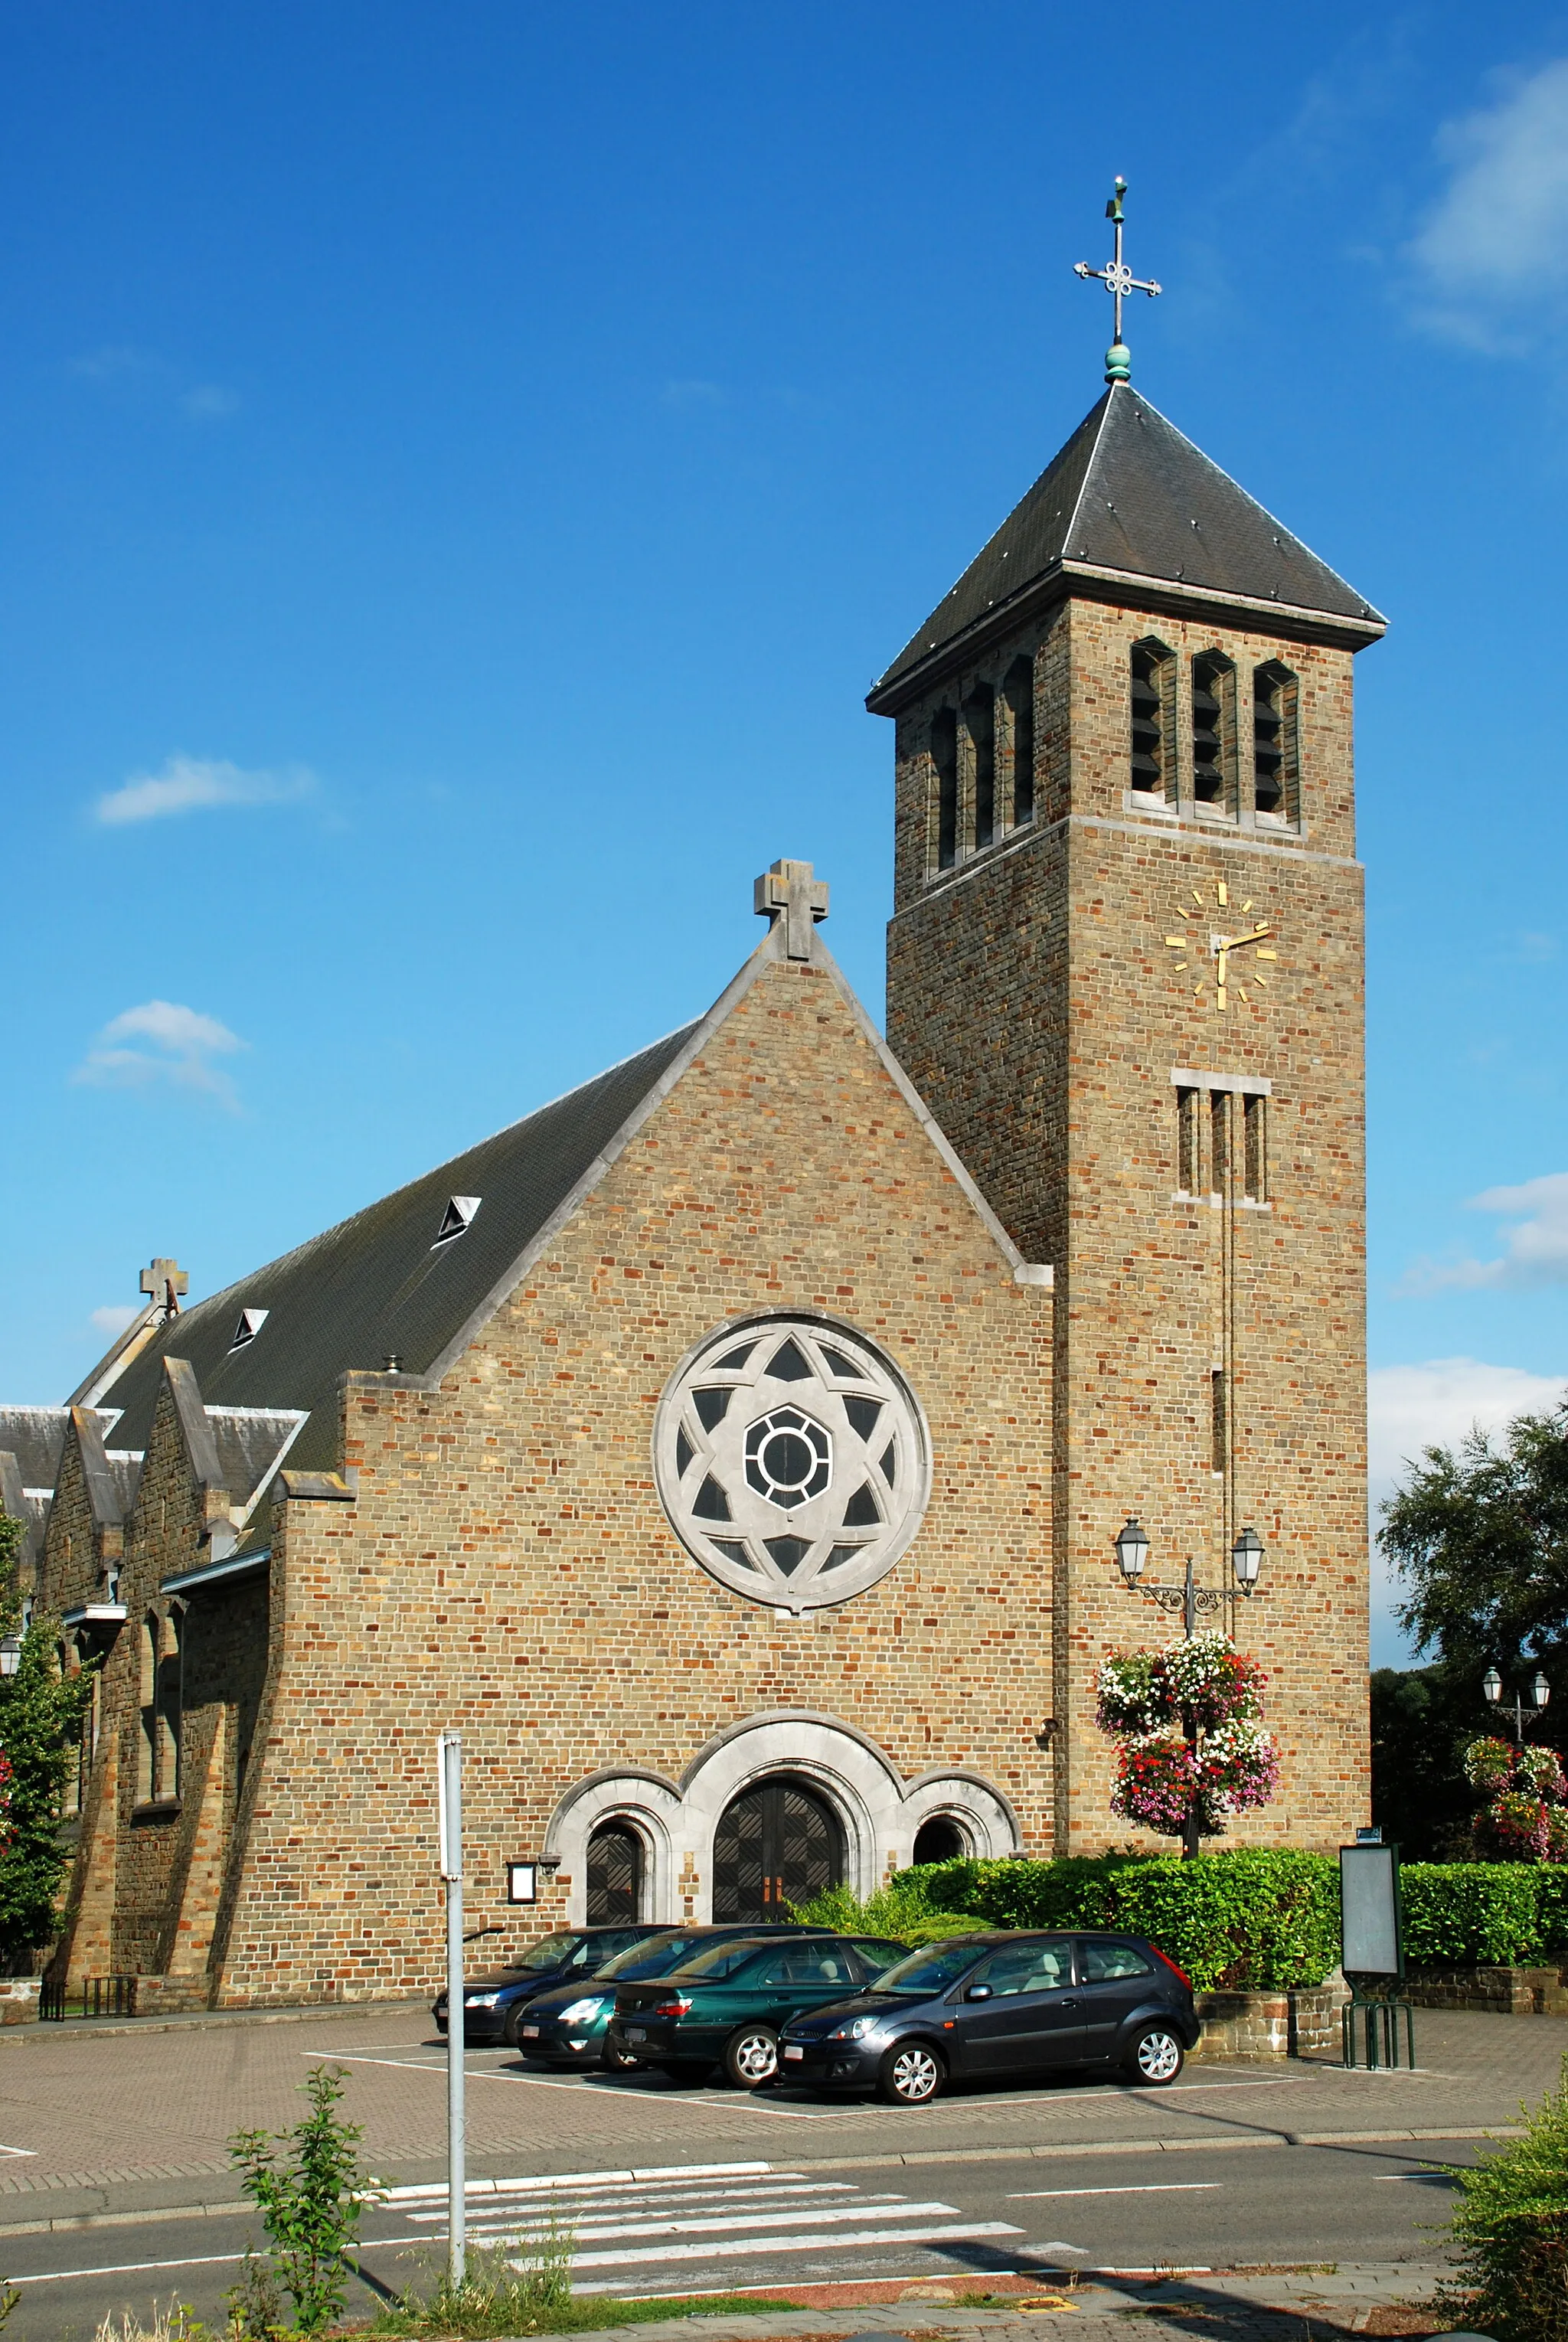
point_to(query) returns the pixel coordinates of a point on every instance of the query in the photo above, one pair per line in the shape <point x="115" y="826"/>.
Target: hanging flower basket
<point x="1526" y="1815"/>
<point x="1193" y="1749"/>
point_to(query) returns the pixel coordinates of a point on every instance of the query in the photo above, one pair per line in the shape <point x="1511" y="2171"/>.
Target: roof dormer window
<point x="251" y="1322"/>
<point x="456" y="1218"/>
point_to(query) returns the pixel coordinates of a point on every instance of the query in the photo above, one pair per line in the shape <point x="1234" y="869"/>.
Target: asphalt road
<point x="753" y="2225"/>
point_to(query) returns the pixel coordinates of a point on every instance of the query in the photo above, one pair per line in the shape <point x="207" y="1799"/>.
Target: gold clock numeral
<point x="1219" y="894"/>
<point x="1177" y="943"/>
<point x="1266" y="955"/>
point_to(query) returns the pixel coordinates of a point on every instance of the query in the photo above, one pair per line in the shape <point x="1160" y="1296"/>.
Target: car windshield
<point x="722" y="1961"/>
<point x="932" y="1969"/>
<point x="553" y="1953"/>
<point x="653" y="1958"/>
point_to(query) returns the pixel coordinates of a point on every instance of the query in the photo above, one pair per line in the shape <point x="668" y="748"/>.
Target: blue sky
<point x="462" y="468"/>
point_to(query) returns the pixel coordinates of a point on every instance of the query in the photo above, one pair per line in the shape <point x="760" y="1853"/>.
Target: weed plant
<point x="1511" y="2232"/>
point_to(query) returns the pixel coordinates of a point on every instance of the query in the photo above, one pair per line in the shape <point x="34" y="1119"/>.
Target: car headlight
<point x="480" y="1999"/>
<point x="581" y="2010"/>
<point x="855" y="2032"/>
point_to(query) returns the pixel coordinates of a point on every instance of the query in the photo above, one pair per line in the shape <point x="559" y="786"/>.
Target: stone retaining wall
<point x="1299" y="2024"/>
<point x="1503" y="1992"/>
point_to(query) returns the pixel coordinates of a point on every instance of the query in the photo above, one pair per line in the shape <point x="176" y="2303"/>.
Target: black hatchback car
<point x="493" y="2004"/>
<point x="1001" y="2004"/>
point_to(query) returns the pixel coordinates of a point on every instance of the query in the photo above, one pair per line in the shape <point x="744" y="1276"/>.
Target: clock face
<point x="1226" y="950"/>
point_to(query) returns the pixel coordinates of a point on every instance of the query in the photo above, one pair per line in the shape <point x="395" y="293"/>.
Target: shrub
<point x="1465" y="1913"/>
<point x="1511" y="2232"/>
<point x="1255" y="1919"/>
<point x="310" y="2204"/>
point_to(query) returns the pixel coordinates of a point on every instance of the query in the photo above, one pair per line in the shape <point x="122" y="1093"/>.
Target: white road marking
<point x="753" y="2222"/>
<point x="482" y="2216"/>
<point x="1158" y="2187"/>
<point x="734" y="2248"/>
<point x="18" y="2150"/>
<point x="124" y="2268"/>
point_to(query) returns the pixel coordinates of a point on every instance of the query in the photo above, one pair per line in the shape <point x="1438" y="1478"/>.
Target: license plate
<point x="791" y="2050"/>
<point x="530" y="2033"/>
<point x="635" y="2033"/>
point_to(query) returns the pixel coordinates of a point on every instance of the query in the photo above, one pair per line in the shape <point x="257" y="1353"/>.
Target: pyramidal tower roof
<point x="1130" y="504"/>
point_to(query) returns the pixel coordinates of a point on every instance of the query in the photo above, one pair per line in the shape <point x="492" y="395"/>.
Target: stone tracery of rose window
<point x="792" y="1461"/>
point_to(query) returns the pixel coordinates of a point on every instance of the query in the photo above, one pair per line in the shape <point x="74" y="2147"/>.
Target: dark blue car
<point x="1001" y="2003"/>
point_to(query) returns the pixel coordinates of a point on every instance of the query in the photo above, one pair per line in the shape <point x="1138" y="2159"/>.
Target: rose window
<point x="791" y="1459"/>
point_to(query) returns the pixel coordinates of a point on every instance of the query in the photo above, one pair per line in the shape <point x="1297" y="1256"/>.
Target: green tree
<point x="309" y="2204"/>
<point x="40" y="1719"/>
<point x="1479" y="1535"/>
<point x="1422" y="1719"/>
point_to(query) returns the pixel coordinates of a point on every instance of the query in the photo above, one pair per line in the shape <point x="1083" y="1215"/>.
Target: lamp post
<point x="1540" y="1692"/>
<point x="1190" y="1598"/>
<point x="10" y="1655"/>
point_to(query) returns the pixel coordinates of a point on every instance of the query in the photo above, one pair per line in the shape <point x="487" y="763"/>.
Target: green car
<point x="728" y="2005"/>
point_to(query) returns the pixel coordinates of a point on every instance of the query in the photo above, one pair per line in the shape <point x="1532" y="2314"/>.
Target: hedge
<point x="1259" y="1918"/>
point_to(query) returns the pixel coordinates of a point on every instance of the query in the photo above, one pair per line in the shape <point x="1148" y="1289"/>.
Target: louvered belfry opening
<point x="980" y="735"/>
<point x="944" y="767"/>
<point x="1274" y="742"/>
<point x="614" y="1875"/>
<point x="1152" y="666"/>
<point x="1018" y="693"/>
<point x="778" y="1844"/>
<point x="1213" y="731"/>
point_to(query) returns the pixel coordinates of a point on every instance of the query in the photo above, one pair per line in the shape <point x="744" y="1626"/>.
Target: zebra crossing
<point x="707" y="2228"/>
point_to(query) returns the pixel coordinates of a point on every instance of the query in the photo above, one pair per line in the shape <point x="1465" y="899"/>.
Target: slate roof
<point x="36" y="1435"/>
<point x="1128" y="492"/>
<point x="379" y="1283"/>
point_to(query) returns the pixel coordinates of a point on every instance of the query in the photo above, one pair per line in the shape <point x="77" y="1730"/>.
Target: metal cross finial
<point x="1117" y="279"/>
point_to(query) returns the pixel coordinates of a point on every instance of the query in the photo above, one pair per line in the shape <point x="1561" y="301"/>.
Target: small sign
<point x="1370" y="1943"/>
<point x="522" y="1882"/>
<point x="1373" y="1837"/>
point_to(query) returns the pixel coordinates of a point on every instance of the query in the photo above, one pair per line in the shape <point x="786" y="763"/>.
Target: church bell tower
<point x="1125" y="972"/>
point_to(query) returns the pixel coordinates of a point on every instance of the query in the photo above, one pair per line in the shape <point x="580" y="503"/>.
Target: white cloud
<point x="114" y="1318"/>
<point x="210" y="400"/>
<point x="195" y="783"/>
<point x="1536" y="1246"/>
<point x="1496" y="241"/>
<point x="1432" y="1405"/>
<point x="183" y="1045"/>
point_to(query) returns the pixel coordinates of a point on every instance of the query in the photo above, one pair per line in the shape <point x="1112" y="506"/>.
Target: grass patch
<point x="499" y="2297"/>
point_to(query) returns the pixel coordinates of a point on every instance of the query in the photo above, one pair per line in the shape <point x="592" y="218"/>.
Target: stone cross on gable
<point x="164" y="1281"/>
<point x="790" y="890"/>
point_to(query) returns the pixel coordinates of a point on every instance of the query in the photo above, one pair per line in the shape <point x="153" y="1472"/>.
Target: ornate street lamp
<point x="1190" y="1598"/>
<point x="10" y="1655"/>
<point x="1540" y="1693"/>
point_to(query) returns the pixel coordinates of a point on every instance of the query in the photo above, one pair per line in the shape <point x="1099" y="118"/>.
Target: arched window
<point x="614" y="1875"/>
<point x="945" y="768"/>
<point x="980" y="737"/>
<point x="1153" y="683"/>
<point x="940" y="1840"/>
<point x="1276" y="794"/>
<point x="1213" y="733"/>
<point x="1018" y="697"/>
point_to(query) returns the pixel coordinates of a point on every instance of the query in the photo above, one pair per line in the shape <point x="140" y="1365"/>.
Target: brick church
<point x="734" y="1450"/>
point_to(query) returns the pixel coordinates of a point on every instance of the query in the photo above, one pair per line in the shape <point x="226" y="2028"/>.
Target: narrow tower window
<point x="1151" y="670"/>
<point x="1018" y="691"/>
<point x="1187" y="1141"/>
<point x="1218" y="1142"/>
<point x="980" y="728"/>
<point x="945" y="765"/>
<point x="148" y="1687"/>
<point x="1214" y="732"/>
<point x="171" y="1703"/>
<point x="1254" y="1149"/>
<point x="1275" y="792"/>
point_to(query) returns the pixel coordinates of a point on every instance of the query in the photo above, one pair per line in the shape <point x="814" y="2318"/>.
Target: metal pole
<point x="451" y="1782"/>
<point x="1190" y="1603"/>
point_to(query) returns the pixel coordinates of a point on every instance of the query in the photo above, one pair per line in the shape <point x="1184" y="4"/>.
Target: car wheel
<point x="616" y="2059"/>
<point x="911" y="2074"/>
<point x="752" y="2055"/>
<point x="1154" y="2058"/>
<point x="512" y="2028"/>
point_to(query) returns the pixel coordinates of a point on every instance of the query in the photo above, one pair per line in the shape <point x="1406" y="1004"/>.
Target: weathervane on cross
<point x="1117" y="279"/>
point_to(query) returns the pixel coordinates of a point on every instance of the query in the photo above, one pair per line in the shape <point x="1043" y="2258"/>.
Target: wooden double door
<point x="778" y="1844"/>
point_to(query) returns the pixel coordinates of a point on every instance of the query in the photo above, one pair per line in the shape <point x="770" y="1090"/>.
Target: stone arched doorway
<point x="614" y="1875"/>
<point x="776" y="1844"/>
